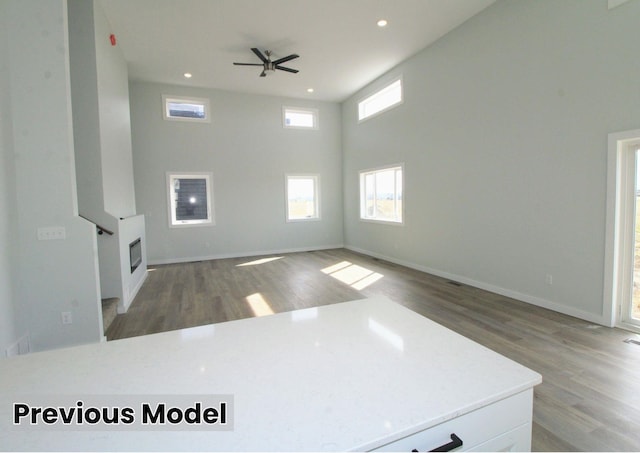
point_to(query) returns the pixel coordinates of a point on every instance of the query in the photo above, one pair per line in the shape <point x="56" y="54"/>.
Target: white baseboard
<point x="123" y="307"/>
<point x="190" y="259"/>
<point x="615" y="3"/>
<point x="533" y="300"/>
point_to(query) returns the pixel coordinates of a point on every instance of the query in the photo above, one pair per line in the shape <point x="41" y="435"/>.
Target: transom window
<point x="190" y="200"/>
<point x="380" y="101"/>
<point x="299" y="118"/>
<point x="381" y="194"/>
<point x="302" y="197"/>
<point x="185" y="109"/>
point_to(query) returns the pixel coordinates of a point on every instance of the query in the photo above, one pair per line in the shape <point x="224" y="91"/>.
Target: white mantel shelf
<point x="349" y="376"/>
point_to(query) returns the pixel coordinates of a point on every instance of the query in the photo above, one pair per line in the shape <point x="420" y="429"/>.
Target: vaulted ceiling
<point x="341" y="47"/>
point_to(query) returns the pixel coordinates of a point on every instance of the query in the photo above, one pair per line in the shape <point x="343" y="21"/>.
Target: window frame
<point x="378" y="93"/>
<point x="362" y="195"/>
<point x="314" y="113"/>
<point x="173" y="222"/>
<point x="316" y="185"/>
<point x="167" y="98"/>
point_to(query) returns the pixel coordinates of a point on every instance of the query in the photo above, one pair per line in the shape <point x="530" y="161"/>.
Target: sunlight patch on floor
<point x="368" y="280"/>
<point x="357" y="277"/>
<point x="260" y="261"/>
<point x="259" y="305"/>
<point x="336" y="267"/>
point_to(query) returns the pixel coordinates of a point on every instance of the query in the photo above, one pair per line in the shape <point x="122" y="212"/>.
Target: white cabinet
<point x="502" y="426"/>
<point x="518" y="439"/>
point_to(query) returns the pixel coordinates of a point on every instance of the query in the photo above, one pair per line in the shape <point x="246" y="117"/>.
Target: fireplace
<point x="135" y="254"/>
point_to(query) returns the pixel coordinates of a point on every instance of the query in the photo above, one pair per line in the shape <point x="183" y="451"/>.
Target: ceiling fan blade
<point x="259" y="54"/>
<point x="282" y="68"/>
<point x="248" y="64"/>
<point x="285" y="59"/>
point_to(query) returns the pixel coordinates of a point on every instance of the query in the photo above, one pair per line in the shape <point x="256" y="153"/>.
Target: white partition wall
<point x="56" y="269"/>
<point x="102" y="132"/>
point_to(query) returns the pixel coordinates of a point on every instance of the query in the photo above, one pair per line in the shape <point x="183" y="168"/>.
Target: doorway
<point x="622" y="279"/>
<point x="630" y="307"/>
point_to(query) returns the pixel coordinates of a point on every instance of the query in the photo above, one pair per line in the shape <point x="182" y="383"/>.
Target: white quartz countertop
<point x="348" y="376"/>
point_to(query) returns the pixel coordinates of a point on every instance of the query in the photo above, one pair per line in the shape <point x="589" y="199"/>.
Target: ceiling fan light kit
<point x="268" y="66"/>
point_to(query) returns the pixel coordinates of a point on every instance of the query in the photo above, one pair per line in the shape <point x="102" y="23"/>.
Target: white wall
<point x="9" y="329"/>
<point x="115" y="122"/>
<point x="249" y="152"/>
<point x="53" y="276"/>
<point x="102" y="132"/>
<point x="99" y="81"/>
<point x="117" y="163"/>
<point x="503" y="133"/>
<point x="86" y="112"/>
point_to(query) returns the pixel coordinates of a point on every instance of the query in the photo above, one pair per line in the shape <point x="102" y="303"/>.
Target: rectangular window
<point x="302" y="197"/>
<point x="299" y="118"/>
<point x="381" y="100"/>
<point x="185" y="109"/>
<point x="381" y="194"/>
<point x="190" y="199"/>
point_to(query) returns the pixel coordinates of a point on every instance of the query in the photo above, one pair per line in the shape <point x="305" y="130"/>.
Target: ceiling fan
<point x="268" y="66"/>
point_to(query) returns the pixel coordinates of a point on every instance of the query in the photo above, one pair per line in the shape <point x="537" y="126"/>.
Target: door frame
<point x="619" y="230"/>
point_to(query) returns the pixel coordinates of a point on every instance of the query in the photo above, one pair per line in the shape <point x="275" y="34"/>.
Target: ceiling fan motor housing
<point x="269" y="66"/>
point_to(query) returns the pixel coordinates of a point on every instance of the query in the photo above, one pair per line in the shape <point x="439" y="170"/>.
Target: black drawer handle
<point x="455" y="443"/>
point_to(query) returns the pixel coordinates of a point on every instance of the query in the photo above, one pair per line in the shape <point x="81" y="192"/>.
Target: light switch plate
<point x="52" y="233"/>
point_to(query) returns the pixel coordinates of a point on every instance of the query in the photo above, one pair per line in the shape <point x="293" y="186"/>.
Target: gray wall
<point x="249" y="152"/>
<point x="55" y="275"/>
<point x="9" y="329"/>
<point x="503" y="133"/>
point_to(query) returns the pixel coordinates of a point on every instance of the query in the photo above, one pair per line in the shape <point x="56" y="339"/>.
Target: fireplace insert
<point x="135" y="254"/>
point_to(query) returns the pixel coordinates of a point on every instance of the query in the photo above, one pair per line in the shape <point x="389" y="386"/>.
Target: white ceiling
<point x="341" y="49"/>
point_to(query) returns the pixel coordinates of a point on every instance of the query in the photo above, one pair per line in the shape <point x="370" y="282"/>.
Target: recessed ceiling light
<point x="187" y="75"/>
<point x="309" y="90"/>
<point x="382" y="23"/>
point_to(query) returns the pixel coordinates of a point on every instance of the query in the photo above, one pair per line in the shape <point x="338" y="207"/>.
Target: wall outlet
<point x="13" y="350"/>
<point x="548" y="279"/>
<point x="52" y="233"/>
<point x="22" y="346"/>
<point x="66" y="317"/>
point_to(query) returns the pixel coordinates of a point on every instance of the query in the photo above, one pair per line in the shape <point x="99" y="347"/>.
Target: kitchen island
<point x="361" y="375"/>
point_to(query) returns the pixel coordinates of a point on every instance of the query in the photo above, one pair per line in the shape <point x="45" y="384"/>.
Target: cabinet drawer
<point x="476" y="428"/>
<point x="518" y="439"/>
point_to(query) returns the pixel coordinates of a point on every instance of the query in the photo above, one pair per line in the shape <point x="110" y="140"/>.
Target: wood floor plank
<point x="547" y="441"/>
<point x="590" y="396"/>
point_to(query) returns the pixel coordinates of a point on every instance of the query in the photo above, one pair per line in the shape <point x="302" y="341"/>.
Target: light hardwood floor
<point x="590" y="396"/>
